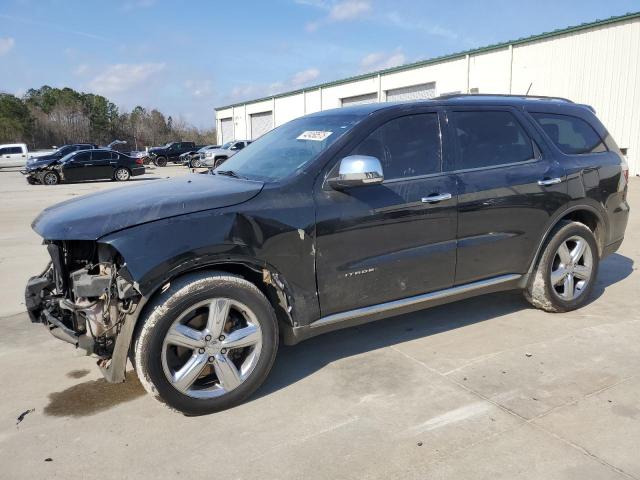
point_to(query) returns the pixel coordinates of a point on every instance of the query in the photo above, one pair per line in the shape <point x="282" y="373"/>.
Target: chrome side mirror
<point x="356" y="171"/>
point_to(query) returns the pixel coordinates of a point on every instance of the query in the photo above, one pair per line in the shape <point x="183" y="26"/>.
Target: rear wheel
<point x="566" y="272"/>
<point x="207" y="343"/>
<point x="121" y="174"/>
<point x="51" y="178"/>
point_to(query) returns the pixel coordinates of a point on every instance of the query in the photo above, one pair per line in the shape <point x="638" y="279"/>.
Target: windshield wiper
<point x="228" y="173"/>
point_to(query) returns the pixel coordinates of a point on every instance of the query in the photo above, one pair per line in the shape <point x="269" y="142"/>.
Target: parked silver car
<point x="214" y="158"/>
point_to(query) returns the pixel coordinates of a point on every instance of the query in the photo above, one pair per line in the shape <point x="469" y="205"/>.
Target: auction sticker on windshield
<point x="315" y="135"/>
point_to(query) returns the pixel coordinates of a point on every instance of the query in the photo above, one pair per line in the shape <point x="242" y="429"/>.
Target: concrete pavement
<point x="484" y="388"/>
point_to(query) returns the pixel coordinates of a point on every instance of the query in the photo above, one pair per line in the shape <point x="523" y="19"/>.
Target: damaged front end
<point x="86" y="297"/>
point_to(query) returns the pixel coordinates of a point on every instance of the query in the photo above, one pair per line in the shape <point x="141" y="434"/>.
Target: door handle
<point x="436" y="198"/>
<point x="549" y="181"/>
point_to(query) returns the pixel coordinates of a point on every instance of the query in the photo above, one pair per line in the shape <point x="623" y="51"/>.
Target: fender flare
<point x="556" y="218"/>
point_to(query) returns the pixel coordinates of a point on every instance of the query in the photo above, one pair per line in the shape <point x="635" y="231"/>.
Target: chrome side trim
<point x="411" y="301"/>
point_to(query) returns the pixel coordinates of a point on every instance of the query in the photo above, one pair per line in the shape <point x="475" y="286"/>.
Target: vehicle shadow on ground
<point x="294" y="363"/>
<point x="92" y="396"/>
<point x="131" y="180"/>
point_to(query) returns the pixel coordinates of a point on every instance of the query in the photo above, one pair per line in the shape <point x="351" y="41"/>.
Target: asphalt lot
<point x="484" y="388"/>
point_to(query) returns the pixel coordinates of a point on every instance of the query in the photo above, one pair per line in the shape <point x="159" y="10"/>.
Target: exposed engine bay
<point x="85" y="297"/>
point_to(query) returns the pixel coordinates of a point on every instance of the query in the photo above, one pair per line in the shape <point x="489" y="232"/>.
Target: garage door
<point x="360" y="99"/>
<point x="226" y="127"/>
<point x="261" y="123"/>
<point x="414" y="92"/>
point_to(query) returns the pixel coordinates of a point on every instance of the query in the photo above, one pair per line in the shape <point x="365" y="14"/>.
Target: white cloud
<point x="337" y="11"/>
<point x="81" y="69"/>
<point x="297" y="80"/>
<point x="6" y="45"/>
<point x="305" y="76"/>
<point x="199" y="88"/>
<point x="399" y="21"/>
<point x="349" y="10"/>
<point x="122" y="77"/>
<point x="135" y="4"/>
<point x="382" y="60"/>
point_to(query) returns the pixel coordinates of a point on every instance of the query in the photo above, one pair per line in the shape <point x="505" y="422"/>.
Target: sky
<point x="187" y="57"/>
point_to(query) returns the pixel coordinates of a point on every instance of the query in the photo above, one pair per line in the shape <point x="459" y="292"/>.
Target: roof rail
<point x="533" y="97"/>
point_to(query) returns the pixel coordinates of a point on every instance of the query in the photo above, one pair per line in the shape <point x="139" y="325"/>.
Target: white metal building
<point x="596" y="63"/>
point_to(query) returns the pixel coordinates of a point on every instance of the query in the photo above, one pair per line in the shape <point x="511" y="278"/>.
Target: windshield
<point x="67" y="157"/>
<point x="227" y="145"/>
<point x="282" y="151"/>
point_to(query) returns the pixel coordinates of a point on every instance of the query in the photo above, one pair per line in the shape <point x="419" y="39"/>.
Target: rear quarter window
<point x="572" y="135"/>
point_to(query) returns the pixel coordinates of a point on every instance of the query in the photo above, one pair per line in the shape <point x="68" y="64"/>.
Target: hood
<point x="43" y="158"/>
<point x="93" y="216"/>
<point x="156" y="149"/>
<point x="39" y="162"/>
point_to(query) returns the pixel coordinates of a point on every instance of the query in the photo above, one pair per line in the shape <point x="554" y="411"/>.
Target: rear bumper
<point x="138" y="171"/>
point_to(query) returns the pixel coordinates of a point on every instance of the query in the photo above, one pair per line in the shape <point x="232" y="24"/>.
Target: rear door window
<point x="10" y="150"/>
<point x="490" y="138"/>
<point x="97" y="155"/>
<point x="82" y="157"/>
<point x="572" y="135"/>
<point x="406" y="146"/>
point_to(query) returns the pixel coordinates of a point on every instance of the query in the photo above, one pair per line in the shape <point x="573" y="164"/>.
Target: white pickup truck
<point x="16" y="154"/>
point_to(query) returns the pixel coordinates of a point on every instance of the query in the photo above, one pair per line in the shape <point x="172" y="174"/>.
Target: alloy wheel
<point x="211" y="348"/>
<point x="50" y="179"/>
<point x="122" y="174"/>
<point x="571" y="268"/>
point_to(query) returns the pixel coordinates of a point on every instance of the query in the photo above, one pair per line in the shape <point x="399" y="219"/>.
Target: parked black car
<point x="331" y="220"/>
<point x="83" y="165"/>
<point x="170" y="152"/>
<point x="61" y="152"/>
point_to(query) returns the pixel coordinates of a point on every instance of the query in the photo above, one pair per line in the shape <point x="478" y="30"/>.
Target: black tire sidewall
<point x="152" y="351"/>
<point x="563" y="233"/>
<point x="161" y="162"/>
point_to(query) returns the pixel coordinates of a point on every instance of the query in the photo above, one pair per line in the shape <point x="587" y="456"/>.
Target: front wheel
<point x="51" y="178"/>
<point x="161" y="161"/>
<point x="207" y="343"/>
<point x="122" y="174"/>
<point x="566" y="272"/>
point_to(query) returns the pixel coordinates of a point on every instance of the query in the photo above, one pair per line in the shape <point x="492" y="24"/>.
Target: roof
<point x="453" y="56"/>
<point x="456" y="100"/>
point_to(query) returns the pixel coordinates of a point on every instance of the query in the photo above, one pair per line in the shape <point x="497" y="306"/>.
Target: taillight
<point x="140" y="161"/>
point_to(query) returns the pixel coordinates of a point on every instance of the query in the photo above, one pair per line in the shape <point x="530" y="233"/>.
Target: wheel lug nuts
<point x="224" y="350"/>
<point x="221" y="337"/>
<point x="211" y="359"/>
<point x="201" y="350"/>
<point x="207" y="338"/>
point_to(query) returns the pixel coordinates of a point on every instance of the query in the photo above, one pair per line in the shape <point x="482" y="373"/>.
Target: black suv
<point x="170" y="152"/>
<point x="331" y="220"/>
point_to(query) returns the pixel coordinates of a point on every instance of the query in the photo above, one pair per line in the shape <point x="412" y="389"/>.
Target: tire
<point x="31" y="181"/>
<point x="50" y="178"/>
<point x="563" y="278"/>
<point x="121" y="174"/>
<point x="218" y="161"/>
<point x="159" y="357"/>
<point x="196" y="163"/>
<point x="161" y="161"/>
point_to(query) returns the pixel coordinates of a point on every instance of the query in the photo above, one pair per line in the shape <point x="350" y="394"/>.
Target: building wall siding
<point x="599" y="66"/>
